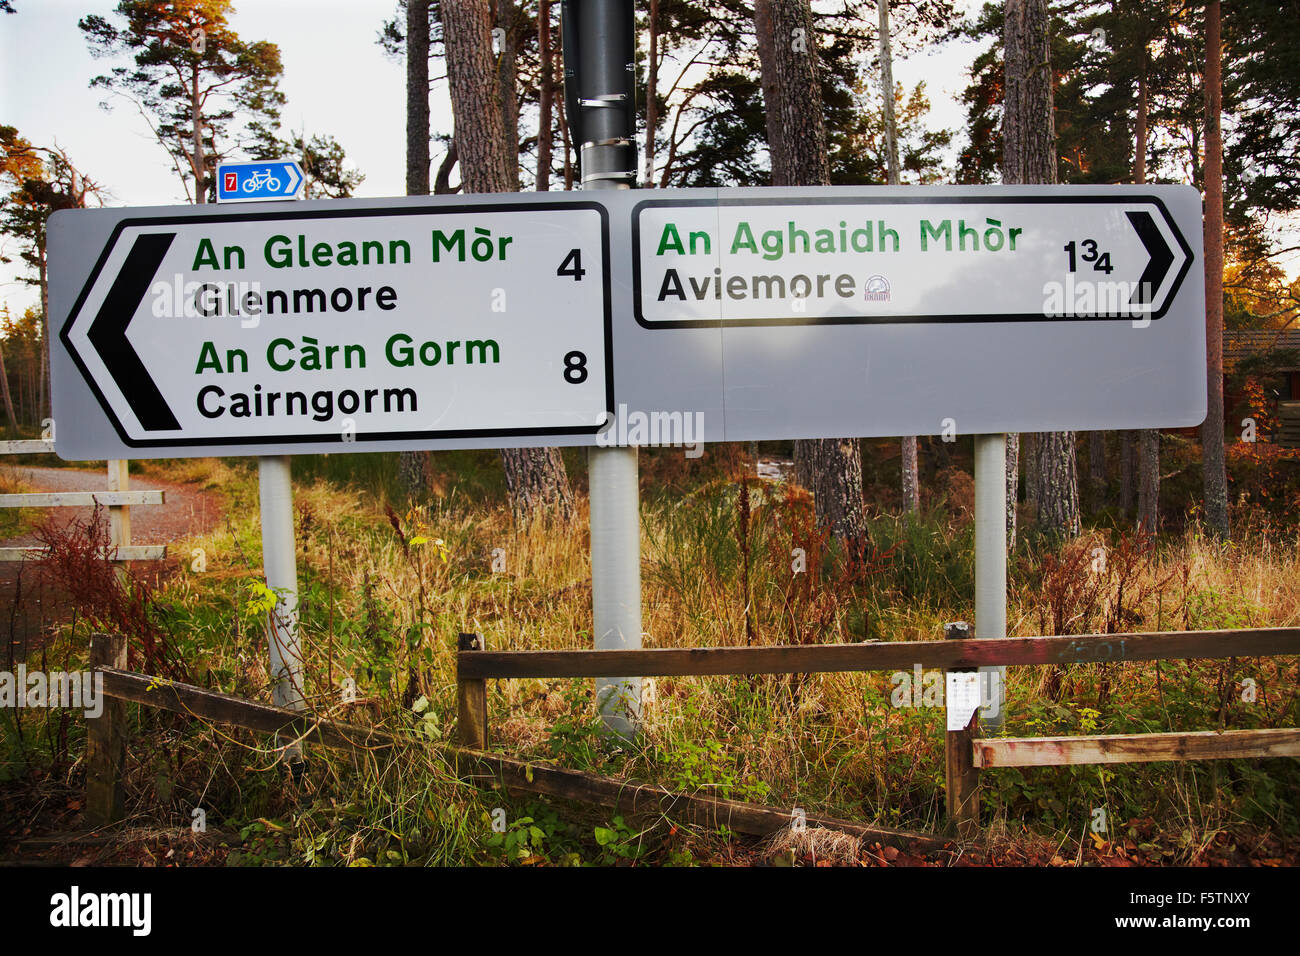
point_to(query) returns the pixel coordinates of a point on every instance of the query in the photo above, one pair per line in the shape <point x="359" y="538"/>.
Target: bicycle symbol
<point x="256" y="181"/>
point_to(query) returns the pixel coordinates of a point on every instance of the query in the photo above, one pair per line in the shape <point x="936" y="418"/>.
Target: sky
<point x="336" y="79"/>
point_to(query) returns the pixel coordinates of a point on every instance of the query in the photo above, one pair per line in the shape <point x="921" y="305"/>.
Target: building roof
<point x="1242" y="343"/>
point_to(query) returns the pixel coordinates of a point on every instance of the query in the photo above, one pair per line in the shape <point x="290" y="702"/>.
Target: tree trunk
<point x="830" y="467"/>
<point x="1148" y="439"/>
<point x="4" y="394"/>
<point x="563" y="122"/>
<point x="766" y="42"/>
<point x="1096" y="471"/>
<point x="1029" y="156"/>
<point x="1058" y="496"/>
<point x="489" y="163"/>
<point x="536" y="480"/>
<point x="442" y="182"/>
<point x="1215" y="469"/>
<point x="507" y="70"/>
<point x="196" y="119"/>
<point x="887" y="92"/>
<point x="417" y="97"/>
<point x="1126" y="472"/>
<point x="1148" y="516"/>
<point x="651" y="87"/>
<point x="412" y="466"/>
<point x="907" y="445"/>
<point x="1029" y="454"/>
<point x="545" y="95"/>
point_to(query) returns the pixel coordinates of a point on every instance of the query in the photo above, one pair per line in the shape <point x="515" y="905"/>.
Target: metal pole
<point x="616" y="578"/>
<point x="600" y="74"/>
<point x="280" y="560"/>
<point x="991" y="565"/>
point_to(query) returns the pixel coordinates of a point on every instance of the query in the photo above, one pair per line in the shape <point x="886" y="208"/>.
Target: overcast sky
<point x="336" y="79"/>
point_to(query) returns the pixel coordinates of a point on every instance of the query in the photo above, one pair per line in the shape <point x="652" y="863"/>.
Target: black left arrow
<point x="107" y="332"/>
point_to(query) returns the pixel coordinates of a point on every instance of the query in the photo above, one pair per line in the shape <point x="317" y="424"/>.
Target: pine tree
<point x="204" y="92"/>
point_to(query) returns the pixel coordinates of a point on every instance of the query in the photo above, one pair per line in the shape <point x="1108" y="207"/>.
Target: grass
<point x="15" y="522"/>
<point x="724" y="563"/>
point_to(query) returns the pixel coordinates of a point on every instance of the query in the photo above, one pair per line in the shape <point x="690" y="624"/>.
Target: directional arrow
<point x="294" y="178"/>
<point x="1162" y="257"/>
<point x="107" y="332"/>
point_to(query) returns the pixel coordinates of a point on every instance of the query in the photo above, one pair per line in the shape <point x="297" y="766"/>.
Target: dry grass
<point x="385" y="611"/>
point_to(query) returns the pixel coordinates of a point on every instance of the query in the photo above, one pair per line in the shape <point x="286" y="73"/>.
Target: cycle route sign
<point x="270" y="181"/>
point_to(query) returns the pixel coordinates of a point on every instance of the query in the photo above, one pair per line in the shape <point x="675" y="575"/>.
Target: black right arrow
<point x="1162" y="257"/>
<point x="107" y="332"/>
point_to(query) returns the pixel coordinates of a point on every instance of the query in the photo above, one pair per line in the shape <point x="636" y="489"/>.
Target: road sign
<point x="268" y="181"/>
<point x="337" y="325"/>
<point x="674" y="316"/>
<point x="903" y="259"/>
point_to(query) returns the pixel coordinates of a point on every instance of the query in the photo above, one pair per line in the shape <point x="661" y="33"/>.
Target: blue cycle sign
<point x="269" y="181"/>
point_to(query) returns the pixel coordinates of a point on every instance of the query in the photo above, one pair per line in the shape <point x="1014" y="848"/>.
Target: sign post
<point x="991" y="565"/>
<point x="280" y="562"/>
<point x="603" y="87"/>
<point x="263" y="182"/>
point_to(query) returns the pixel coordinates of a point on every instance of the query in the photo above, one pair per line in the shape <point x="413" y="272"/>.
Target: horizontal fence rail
<point x="120" y="552"/>
<point x="1136" y="748"/>
<point x="876" y="656"/>
<point x="28" y="446"/>
<point x="80" y="499"/>
<point x="222" y="708"/>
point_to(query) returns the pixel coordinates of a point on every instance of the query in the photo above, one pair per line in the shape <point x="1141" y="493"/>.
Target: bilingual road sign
<point x="269" y="181"/>
<point x="906" y="258"/>
<point x="637" y="317"/>
<point x="338" y="324"/>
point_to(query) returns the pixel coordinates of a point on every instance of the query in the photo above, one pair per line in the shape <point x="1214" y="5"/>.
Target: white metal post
<point x="602" y="66"/>
<point x="616" y="578"/>
<point x="280" y="560"/>
<point x="991" y="565"/>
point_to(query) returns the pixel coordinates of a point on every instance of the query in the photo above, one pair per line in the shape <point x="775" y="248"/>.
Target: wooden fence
<point x="966" y="755"/>
<point x="118" y="498"/>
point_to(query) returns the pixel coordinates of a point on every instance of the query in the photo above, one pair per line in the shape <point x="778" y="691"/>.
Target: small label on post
<point x="962" y="696"/>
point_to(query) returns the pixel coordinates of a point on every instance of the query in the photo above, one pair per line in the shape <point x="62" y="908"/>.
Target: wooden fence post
<point x="106" y="740"/>
<point x="961" y="776"/>
<point x="471" y="696"/>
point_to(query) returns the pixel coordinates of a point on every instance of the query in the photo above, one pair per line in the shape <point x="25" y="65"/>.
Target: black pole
<point x="599" y="89"/>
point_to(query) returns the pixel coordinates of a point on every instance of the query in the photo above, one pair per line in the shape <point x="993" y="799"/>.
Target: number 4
<point x="572" y="265"/>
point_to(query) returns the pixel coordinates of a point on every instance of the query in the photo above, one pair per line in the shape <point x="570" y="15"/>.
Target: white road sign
<point x="414" y="323"/>
<point x="904" y="259"/>
<point x="677" y="316"/>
